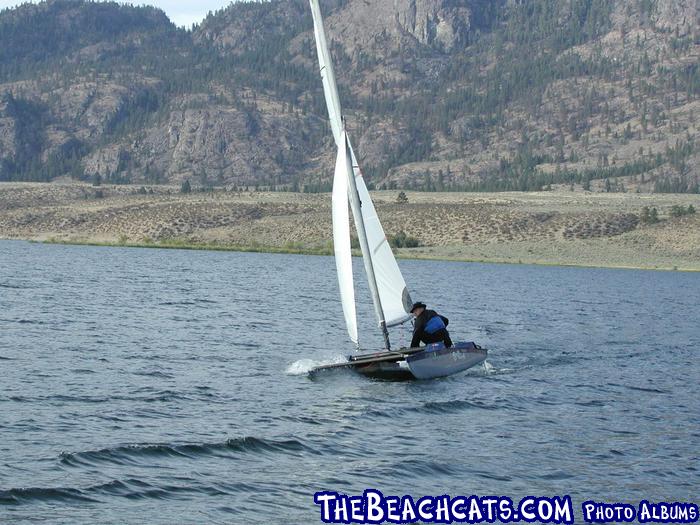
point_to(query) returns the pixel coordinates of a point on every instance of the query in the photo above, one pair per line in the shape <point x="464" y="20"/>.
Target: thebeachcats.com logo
<point x="374" y="507"/>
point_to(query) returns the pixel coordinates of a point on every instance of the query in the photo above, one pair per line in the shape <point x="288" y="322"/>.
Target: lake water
<point x="159" y="386"/>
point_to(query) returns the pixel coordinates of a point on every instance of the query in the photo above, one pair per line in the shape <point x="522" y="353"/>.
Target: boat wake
<point x="488" y="369"/>
<point x="304" y="366"/>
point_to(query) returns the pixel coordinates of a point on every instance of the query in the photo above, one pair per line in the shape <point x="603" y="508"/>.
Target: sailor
<point x="429" y="327"/>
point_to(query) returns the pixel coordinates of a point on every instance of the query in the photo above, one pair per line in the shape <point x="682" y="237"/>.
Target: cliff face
<point x="439" y="93"/>
<point x="385" y="28"/>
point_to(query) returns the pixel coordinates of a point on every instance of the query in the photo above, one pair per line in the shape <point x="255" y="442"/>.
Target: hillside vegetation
<point x="486" y="95"/>
<point x="596" y="229"/>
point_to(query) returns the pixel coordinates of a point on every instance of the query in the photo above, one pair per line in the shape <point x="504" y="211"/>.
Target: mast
<point x="330" y="89"/>
<point x="356" y="205"/>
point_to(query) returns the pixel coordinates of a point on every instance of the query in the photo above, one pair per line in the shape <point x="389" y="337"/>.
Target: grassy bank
<point x="182" y="245"/>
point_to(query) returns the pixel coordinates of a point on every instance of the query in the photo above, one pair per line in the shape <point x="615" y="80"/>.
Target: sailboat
<point x="390" y="296"/>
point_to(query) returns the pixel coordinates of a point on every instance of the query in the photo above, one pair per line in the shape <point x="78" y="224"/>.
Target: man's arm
<point x="417" y="331"/>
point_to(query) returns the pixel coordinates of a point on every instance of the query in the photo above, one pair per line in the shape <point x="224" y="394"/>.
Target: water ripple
<point x="133" y="453"/>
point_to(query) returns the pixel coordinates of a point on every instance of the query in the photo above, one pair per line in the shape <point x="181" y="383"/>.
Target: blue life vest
<point x="436" y="323"/>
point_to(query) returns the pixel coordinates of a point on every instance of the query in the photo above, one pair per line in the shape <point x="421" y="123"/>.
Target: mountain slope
<point x="439" y="94"/>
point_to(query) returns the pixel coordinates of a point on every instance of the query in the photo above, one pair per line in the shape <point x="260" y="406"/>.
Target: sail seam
<point x="379" y="246"/>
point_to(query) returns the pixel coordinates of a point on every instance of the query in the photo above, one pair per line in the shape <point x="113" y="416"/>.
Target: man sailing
<point x="430" y="327"/>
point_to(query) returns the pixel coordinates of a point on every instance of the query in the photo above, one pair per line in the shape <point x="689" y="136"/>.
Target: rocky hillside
<point x="599" y="95"/>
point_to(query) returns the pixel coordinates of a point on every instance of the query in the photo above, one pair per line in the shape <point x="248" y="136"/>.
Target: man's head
<point x="417" y="309"/>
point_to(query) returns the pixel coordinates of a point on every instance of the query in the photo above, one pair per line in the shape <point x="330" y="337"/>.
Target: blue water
<point x="157" y="386"/>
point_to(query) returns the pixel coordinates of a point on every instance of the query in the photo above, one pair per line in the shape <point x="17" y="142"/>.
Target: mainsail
<point x="392" y="300"/>
<point x="393" y="292"/>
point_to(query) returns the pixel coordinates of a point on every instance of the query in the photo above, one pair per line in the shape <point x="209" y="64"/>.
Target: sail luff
<point x="342" y="245"/>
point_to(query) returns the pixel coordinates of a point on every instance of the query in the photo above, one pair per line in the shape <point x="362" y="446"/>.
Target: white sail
<point x="393" y="292"/>
<point x="330" y="89"/>
<point x="394" y="296"/>
<point x="341" y="243"/>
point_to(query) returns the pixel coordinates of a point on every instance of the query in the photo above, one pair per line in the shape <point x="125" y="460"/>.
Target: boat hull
<point x="387" y="371"/>
<point x="438" y="361"/>
<point x="434" y="361"/>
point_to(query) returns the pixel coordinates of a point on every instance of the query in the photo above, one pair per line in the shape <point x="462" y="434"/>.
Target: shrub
<point x="401" y="240"/>
<point x="649" y="216"/>
<point x="680" y="211"/>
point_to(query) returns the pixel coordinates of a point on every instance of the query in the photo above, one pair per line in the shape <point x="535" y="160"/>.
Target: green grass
<point x="300" y="249"/>
<point x="180" y="244"/>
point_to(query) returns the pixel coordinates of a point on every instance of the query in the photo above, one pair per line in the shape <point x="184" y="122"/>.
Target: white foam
<point x="304" y="366"/>
<point x="489" y="369"/>
<point x="301" y="367"/>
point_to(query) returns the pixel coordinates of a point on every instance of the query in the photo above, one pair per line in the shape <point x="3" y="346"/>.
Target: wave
<point x="648" y="390"/>
<point x="458" y="405"/>
<point x="131" y="488"/>
<point x="438" y="407"/>
<point x="592" y="403"/>
<point x="148" y="397"/>
<point x="28" y="495"/>
<point x="133" y="454"/>
<point x="423" y="467"/>
<point x="83" y="371"/>
<point x="162" y="375"/>
<point x="187" y="302"/>
<point x="138" y="489"/>
<point x="619" y="432"/>
<point x="14" y="286"/>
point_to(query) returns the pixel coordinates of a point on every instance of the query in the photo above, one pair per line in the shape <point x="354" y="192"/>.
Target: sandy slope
<point x="546" y="228"/>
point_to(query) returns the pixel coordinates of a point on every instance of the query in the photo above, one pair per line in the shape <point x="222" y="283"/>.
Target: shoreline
<point x="328" y="253"/>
